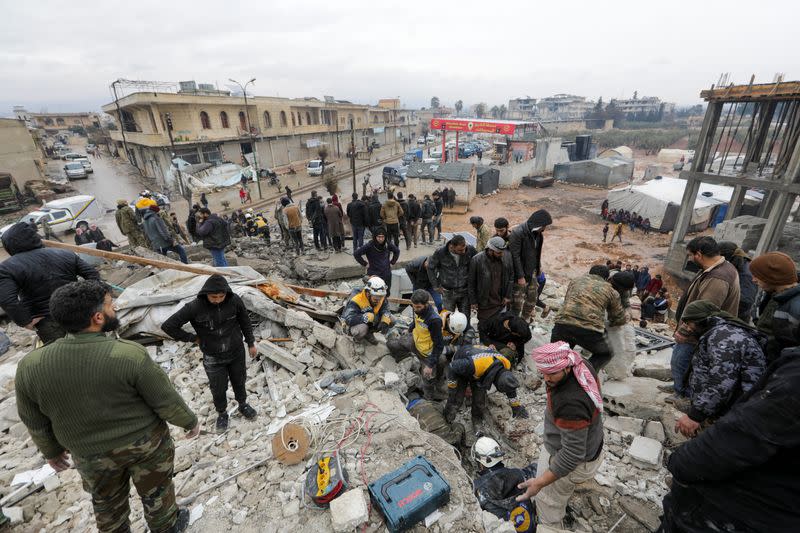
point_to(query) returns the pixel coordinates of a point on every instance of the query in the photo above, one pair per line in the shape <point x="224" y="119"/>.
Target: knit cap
<point x="774" y="268"/>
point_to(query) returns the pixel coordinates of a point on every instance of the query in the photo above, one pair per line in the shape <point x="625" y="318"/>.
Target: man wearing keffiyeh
<point x="573" y="431"/>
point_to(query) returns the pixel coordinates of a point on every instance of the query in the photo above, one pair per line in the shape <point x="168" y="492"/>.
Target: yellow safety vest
<point x="422" y="337"/>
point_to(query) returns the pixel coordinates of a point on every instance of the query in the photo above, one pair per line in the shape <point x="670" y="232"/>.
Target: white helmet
<point x="458" y="323"/>
<point x="486" y="451"/>
<point x="376" y="286"/>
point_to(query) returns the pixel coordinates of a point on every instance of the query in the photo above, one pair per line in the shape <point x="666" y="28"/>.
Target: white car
<point x="421" y="140"/>
<point x="65" y="213"/>
<point x="314" y="167"/>
<point x="75" y="170"/>
<point x="87" y="165"/>
<point x="436" y="152"/>
<point x="430" y="138"/>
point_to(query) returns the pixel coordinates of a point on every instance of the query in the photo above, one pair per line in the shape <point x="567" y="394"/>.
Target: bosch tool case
<point x="409" y="494"/>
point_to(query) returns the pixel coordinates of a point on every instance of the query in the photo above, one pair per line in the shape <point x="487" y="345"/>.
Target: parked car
<point x="314" y="167"/>
<point x="465" y="151"/>
<point x="421" y="140"/>
<point x="436" y="152"/>
<point x="412" y="155"/>
<point x="65" y="214"/>
<point x="430" y="138"/>
<point x="69" y="156"/>
<point x="75" y="170"/>
<point x="394" y="176"/>
<point x="87" y="165"/>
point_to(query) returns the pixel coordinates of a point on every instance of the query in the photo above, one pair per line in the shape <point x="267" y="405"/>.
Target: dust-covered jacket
<point x="586" y="302"/>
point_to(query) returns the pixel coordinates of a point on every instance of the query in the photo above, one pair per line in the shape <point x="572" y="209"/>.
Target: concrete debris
<point x="349" y="510"/>
<point x="646" y="451"/>
<point x="624" y="425"/>
<point x="642" y="513"/>
<point x="634" y="396"/>
<point x="654" y="365"/>
<point x="280" y="356"/>
<point x="655" y="430"/>
<point x="14" y="514"/>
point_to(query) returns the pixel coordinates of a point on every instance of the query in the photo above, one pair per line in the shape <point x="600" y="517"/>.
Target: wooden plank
<point x="280" y="356"/>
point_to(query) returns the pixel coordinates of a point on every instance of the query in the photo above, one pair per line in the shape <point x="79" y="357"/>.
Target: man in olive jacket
<point x="105" y="402"/>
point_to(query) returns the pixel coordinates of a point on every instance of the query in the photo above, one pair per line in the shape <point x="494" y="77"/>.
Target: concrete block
<point x="624" y="425"/>
<point x="14" y="514"/>
<point x="655" y="430"/>
<point x="349" y="510"/>
<point x="280" y="356"/>
<point x="646" y="452"/>
<point x="51" y="483"/>
<point x="325" y="335"/>
<point x="636" y="397"/>
<point x="390" y="379"/>
<point x="299" y="320"/>
<point x="655" y="365"/>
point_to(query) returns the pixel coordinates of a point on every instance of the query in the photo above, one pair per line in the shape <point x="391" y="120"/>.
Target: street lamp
<point x="250" y="130"/>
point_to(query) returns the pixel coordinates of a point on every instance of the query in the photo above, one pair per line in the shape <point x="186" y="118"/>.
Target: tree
<point x="435" y="102"/>
<point x="480" y="109"/>
<point x="495" y="111"/>
<point x="459" y="106"/>
<point x="322" y="152"/>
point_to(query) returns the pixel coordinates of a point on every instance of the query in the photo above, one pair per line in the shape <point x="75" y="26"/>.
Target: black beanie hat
<point x="539" y="219"/>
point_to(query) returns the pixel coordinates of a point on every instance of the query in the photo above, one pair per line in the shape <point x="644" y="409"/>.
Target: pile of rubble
<point x="349" y="398"/>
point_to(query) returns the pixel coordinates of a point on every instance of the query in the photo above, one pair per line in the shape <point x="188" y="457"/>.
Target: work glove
<point x="519" y="411"/>
<point x="369" y="317"/>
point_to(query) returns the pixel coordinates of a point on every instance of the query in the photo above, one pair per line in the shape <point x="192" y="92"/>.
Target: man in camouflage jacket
<point x="728" y="361"/>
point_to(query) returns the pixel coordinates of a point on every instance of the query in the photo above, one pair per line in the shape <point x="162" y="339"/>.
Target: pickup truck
<point x="394" y="176"/>
<point x="412" y="155"/>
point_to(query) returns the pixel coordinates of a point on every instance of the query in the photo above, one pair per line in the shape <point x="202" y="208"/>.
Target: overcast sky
<point x="63" y="56"/>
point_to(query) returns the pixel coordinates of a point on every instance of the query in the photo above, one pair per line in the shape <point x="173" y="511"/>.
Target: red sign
<point x="474" y="126"/>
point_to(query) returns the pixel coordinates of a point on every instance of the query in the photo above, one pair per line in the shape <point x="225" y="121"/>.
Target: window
<point x="189" y="155"/>
<point x="223" y="118"/>
<point x="283" y="119"/>
<point x="267" y="120"/>
<point x="211" y="153"/>
<point x="152" y="120"/>
<point x="242" y="121"/>
<point x="294" y="122"/>
<point x="48" y="121"/>
<point x="60" y="121"/>
<point x="204" y="120"/>
<point x="308" y="118"/>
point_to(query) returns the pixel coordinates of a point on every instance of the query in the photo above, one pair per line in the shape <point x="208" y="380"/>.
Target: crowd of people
<point x="735" y="364"/>
<point x="620" y="218"/>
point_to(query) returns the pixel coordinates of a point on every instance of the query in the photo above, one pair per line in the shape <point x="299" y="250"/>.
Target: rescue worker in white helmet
<point x="367" y="311"/>
<point x="496" y="486"/>
<point x="480" y="367"/>
<point x="434" y="338"/>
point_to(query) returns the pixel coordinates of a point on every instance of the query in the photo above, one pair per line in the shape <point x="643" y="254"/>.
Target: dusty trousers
<point x="149" y="462"/>
<point x="222" y="368"/>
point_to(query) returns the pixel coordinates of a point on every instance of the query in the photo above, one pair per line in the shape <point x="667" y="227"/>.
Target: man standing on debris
<point x="417" y="271"/>
<point x="717" y="282"/>
<point x="438" y="205"/>
<point x="358" y="216"/>
<point x="779" y="311"/>
<point x="214" y="232"/>
<point x="31" y="274"/>
<point x="525" y="243"/>
<point x="427" y="213"/>
<point x="747" y="287"/>
<point x="380" y="256"/>
<point x="728" y="361"/>
<point x="573" y="431"/>
<point x="191" y="223"/>
<point x="374" y="211"/>
<point x="159" y="234"/>
<point x="414" y="213"/>
<point x="404" y="220"/>
<point x="367" y="311"/>
<point x="316" y="217"/>
<point x="433" y="337"/>
<point x="116" y="430"/>
<point x="128" y="226"/>
<point x="294" y="223"/>
<point x="741" y="474"/>
<point x="491" y="281"/>
<point x="581" y="319"/>
<point x="220" y="320"/>
<point x="482" y="232"/>
<point x="479" y="367"/>
<point x="287" y="239"/>
<point x="448" y="271"/>
<point x="501" y="228"/>
<point x="391" y="212"/>
<point x="333" y="215"/>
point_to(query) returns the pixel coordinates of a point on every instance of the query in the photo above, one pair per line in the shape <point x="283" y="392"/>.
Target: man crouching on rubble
<point x="106" y="403"/>
<point x="573" y="431"/>
<point x="219" y="319"/>
<point x="366" y="312"/>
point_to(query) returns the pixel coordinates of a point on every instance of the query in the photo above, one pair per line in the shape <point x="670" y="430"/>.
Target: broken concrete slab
<point x="299" y="320"/>
<point x="634" y="396"/>
<point x="280" y="356"/>
<point x="655" y="430"/>
<point x="624" y="425"/>
<point x="641" y="512"/>
<point x="646" y="452"/>
<point x="655" y="365"/>
<point x="325" y="335"/>
<point x="349" y="510"/>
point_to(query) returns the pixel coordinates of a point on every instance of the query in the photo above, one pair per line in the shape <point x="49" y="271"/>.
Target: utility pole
<point x="185" y="192"/>
<point x="353" y="153"/>
<point x="250" y="132"/>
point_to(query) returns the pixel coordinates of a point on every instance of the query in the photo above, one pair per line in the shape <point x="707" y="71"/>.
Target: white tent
<point x="660" y="199"/>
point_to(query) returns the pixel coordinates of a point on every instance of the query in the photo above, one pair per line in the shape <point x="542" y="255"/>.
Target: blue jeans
<point x="681" y="359"/>
<point x="178" y="249"/>
<point x="358" y="237"/>
<point x="218" y="257"/>
<point x="437" y="299"/>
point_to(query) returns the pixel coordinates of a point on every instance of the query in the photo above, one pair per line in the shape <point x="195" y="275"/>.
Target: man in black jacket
<point x="219" y="319"/>
<point x="191" y="223"/>
<point x="31" y="274"/>
<point x="414" y="211"/>
<point x="214" y="232"/>
<point x="316" y="217"/>
<point x="427" y="213"/>
<point x="508" y="333"/>
<point x="357" y="213"/>
<point x="491" y="280"/>
<point x="743" y="473"/>
<point x="525" y="244"/>
<point x="374" y="210"/>
<point x="404" y="220"/>
<point x="417" y="271"/>
<point x="438" y="205"/>
<point x="448" y="272"/>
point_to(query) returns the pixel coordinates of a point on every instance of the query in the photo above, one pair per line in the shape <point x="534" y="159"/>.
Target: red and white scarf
<point x="556" y="356"/>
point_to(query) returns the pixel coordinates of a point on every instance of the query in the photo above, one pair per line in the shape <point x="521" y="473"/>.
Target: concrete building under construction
<point x="750" y="140"/>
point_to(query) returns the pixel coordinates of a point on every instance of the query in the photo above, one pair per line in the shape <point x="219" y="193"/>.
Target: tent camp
<point x="660" y="200"/>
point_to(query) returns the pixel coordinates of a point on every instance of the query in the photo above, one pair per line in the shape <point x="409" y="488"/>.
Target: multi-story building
<point x="564" y="107"/>
<point x="210" y="126"/>
<point x="522" y="108"/>
<point x="647" y="108"/>
<point x="53" y="122"/>
<point x="20" y="155"/>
